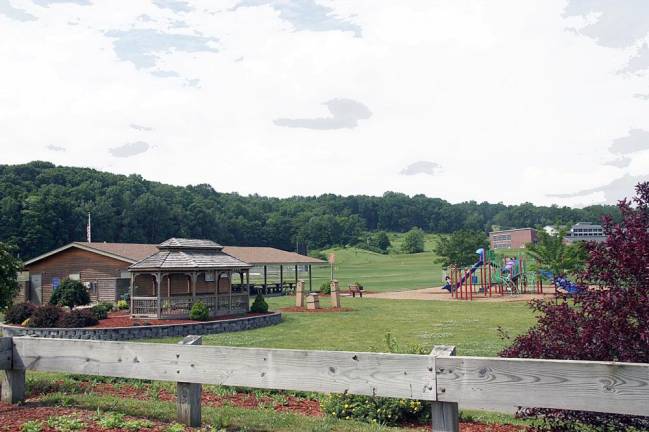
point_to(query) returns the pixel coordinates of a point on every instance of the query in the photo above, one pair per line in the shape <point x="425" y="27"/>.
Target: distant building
<point x="585" y="231"/>
<point x="512" y="239"/>
<point x="550" y="230"/>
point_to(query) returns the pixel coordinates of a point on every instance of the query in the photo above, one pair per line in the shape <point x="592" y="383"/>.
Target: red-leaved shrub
<point x="610" y="322"/>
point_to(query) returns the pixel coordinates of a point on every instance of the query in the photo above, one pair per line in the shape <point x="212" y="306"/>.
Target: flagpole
<point x="89" y="230"/>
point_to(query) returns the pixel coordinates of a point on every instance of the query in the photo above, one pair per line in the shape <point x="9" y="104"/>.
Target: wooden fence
<point x="441" y="378"/>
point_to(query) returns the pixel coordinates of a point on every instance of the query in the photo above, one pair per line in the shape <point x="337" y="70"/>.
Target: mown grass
<point x="377" y="272"/>
<point x="471" y="326"/>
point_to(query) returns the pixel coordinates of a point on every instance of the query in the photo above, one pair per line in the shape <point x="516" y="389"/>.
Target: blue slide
<point x="469" y="273"/>
<point x="563" y="283"/>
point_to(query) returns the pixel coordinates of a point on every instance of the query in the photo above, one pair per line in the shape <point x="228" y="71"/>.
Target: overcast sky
<point x="508" y="100"/>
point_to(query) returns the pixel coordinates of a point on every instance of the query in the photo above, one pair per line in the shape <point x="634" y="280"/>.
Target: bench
<point x="355" y="289"/>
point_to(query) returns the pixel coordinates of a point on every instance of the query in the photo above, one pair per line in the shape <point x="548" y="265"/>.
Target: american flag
<point x="89" y="230"/>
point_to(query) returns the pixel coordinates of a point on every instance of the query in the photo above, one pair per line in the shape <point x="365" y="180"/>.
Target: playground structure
<point x="491" y="276"/>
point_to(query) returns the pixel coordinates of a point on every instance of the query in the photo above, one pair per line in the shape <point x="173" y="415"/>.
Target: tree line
<point x="43" y="206"/>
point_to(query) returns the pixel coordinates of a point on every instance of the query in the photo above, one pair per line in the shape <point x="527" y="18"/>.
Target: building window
<point x="74" y="276"/>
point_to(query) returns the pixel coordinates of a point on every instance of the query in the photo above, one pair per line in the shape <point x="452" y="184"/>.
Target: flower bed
<point x="147" y="328"/>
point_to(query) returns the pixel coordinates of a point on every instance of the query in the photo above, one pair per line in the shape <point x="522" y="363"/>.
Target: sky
<point x="543" y="101"/>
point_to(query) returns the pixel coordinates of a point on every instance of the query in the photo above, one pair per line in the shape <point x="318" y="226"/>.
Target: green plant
<point x="65" y="423"/>
<point x="122" y="304"/>
<point x="32" y="426"/>
<point x="78" y="318"/>
<point x="175" y="427"/>
<point x="325" y="288"/>
<point x="101" y="310"/>
<point x="199" y="312"/>
<point x="19" y="313"/>
<point x="460" y="247"/>
<point x="413" y="241"/>
<point x="46" y="316"/>
<point x="379" y="409"/>
<point x="71" y="293"/>
<point x="259" y="305"/>
<point x="110" y="420"/>
<point x="9" y="268"/>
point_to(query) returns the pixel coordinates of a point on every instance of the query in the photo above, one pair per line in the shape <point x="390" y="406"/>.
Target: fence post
<point x="444" y="415"/>
<point x="188" y="395"/>
<point x="13" y="380"/>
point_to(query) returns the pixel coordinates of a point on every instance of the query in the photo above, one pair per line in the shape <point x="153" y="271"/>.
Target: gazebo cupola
<point x="184" y="271"/>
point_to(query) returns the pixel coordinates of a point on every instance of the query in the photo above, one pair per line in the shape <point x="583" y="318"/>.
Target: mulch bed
<point x="13" y="416"/>
<point x="321" y="310"/>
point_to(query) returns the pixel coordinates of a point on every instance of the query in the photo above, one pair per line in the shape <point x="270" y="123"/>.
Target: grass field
<point x="377" y="272"/>
<point x="471" y="326"/>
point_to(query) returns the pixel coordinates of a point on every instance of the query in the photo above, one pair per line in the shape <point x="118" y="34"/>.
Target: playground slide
<point x="469" y="273"/>
<point x="563" y="283"/>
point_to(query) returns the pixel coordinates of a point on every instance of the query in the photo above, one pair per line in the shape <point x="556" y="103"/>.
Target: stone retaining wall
<point x="148" y="332"/>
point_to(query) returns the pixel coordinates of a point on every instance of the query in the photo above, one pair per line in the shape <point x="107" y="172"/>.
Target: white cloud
<point x="501" y="94"/>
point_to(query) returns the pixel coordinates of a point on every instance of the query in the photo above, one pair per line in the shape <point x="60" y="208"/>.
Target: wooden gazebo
<point x="166" y="284"/>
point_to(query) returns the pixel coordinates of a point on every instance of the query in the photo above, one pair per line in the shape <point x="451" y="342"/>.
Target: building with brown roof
<point x="103" y="268"/>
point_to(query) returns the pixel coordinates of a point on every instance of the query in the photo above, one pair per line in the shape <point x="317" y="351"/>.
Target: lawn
<point x="377" y="272"/>
<point x="471" y="326"/>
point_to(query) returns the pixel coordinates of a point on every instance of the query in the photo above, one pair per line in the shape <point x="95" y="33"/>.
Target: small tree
<point x="9" y="268"/>
<point x="459" y="248"/>
<point x="413" y="241"/>
<point x="382" y="241"/>
<point x="553" y="255"/>
<point x="70" y="293"/>
<point x="259" y="305"/>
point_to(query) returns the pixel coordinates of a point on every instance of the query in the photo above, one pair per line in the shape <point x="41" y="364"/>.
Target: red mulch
<point x="12" y="417"/>
<point x="302" y="309"/>
<point x="122" y="319"/>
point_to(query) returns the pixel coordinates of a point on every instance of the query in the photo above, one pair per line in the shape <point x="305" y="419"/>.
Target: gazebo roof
<point x="189" y="254"/>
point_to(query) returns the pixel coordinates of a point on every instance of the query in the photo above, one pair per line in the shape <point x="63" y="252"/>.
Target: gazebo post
<point x="296" y="274"/>
<point x="131" y="291"/>
<point x="194" y="276"/>
<point x="248" y="289"/>
<point x="310" y="279"/>
<point x="217" y="276"/>
<point x="159" y="293"/>
<point x="230" y="283"/>
<point x="281" y="277"/>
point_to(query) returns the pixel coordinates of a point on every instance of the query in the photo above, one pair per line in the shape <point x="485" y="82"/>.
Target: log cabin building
<point x="104" y="269"/>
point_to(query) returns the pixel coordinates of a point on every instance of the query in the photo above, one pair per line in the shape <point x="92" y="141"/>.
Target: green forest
<point x="43" y="206"/>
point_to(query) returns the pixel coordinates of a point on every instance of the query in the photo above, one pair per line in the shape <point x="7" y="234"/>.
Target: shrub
<point x="101" y="310"/>
<point x="46" y="316"/>
<point x="122" y="304"/>
<point x="78" y="318"/>
<point x="259" y="305"/>
<point x="382" y="410"/>
<point x="325" y="288"/>
<point x="606" y="325"/>
<point x="18" y="313"/>
<point x="10" y="265"/>
<point x="199" y="312"/>
<point x="71" y="293"/>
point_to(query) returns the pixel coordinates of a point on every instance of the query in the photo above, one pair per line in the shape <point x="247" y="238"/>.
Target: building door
<point x="35" y="288"/>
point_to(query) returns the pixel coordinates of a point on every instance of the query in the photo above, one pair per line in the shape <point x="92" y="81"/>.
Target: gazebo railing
<point x="178" y="307"/>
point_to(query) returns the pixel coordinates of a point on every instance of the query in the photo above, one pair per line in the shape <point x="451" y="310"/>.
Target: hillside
<point x="43" y="206"/>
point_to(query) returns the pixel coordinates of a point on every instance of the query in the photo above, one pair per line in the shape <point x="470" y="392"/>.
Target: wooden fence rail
<point x="441" y="378"/>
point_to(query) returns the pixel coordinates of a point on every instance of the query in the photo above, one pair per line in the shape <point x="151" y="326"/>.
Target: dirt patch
<point x="321" y="310"/>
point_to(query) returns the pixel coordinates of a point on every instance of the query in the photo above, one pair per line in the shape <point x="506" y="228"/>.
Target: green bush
<point x="78" y="318"/>
<point x="413" y="241"/>
<point x="122" y="304"/>
<point x="259" y="305"/>
<point x="325" y="288"/>
<point x="71" y="293"/>
<point x="19" y="313"/>
<point x="101" y="310"/>
<point x="379" y="409"/>
<point x="199" y="312"/>
<point x="46" y="316"/>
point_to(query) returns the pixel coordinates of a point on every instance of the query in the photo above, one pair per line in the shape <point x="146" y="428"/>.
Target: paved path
<point x="436" y="293"/>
